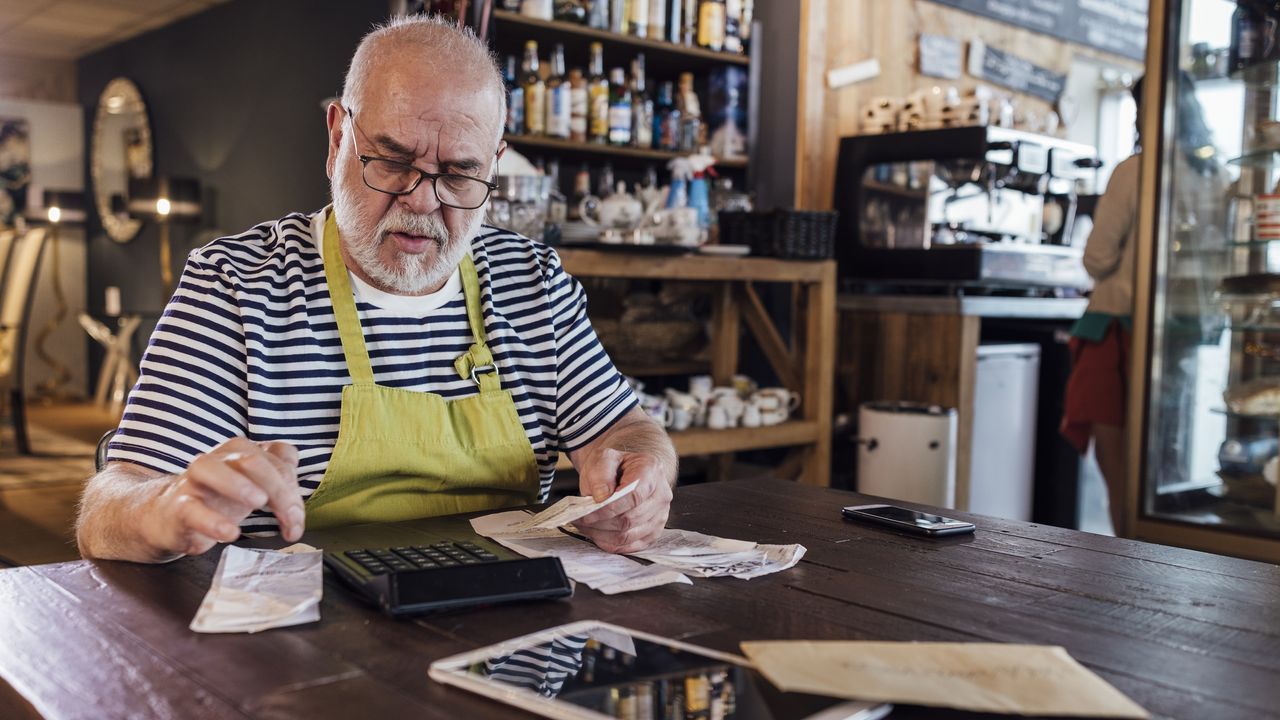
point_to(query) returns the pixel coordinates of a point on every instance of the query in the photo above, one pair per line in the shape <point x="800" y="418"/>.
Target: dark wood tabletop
<point x="1185" y="634"/>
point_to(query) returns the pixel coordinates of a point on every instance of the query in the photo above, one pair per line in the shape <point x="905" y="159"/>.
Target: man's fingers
<point x="280" y="485"/>
<point x="212" y="474"/>
<point x="601" y="477"/>
<point x="282" y="451"/>
<point x="196" y="517"/>
<point x="651" y="485"/>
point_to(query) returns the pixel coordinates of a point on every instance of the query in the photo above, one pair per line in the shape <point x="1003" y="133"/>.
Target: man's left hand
<point x="635" y="521"/>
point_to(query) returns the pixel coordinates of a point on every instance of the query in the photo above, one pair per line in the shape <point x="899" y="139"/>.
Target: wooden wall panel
<point x="839" y="32"/>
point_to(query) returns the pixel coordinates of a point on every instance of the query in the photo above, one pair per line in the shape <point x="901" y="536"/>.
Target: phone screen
<point x="903" y="515"/>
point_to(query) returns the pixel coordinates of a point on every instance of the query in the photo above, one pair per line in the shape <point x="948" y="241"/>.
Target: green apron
<point x="403" y="455"/>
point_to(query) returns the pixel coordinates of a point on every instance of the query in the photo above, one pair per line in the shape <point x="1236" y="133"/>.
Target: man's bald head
<point x="429" y="43"/>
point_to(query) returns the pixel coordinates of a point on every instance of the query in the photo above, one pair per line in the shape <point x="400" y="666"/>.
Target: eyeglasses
<point x="397" y="178"/>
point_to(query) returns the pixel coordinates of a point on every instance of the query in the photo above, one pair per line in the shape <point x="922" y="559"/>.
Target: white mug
<point x="777" y="398"/>
<point x="774" y="417"/>
<point x="751" y="416"/>
<point x="681" y="419"/>
<point x="700" y="386"/>
<point x="683" y="401"/>
<point x="718" y="418"/>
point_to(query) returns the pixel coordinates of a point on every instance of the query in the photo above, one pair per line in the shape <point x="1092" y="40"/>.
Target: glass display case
<point x="1207" y="306"/>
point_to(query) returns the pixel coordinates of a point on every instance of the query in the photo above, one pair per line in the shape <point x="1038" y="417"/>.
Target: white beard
<point x="407" y="274"/>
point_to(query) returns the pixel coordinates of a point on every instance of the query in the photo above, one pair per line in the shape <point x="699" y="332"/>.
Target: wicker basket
<point x="782" y="233"/>
<point x="649" y="340"/>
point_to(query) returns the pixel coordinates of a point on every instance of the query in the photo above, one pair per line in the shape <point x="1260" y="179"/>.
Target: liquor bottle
<point x="711" y="24"/>
<point x="598" y="97"/>
<point x="1246" y="37"/>
<point x="733" y="26"/>
<point x="675" y="20"/>
<point x="666" y="119"/>
<point x="638" y="18"/>
<point x="641" y="106"/>
<point x="619" y="108"/>
<point x="578" y="106"/>
<point x="572" y="11"/>
<point x="604" y="186"/>
<point x="581" y="189"/>
<point x="515" y="98"/>
<point x="598" y="16"/>
<point x="535" y="92"/>
<point x="690" y="114"/>
<point x="618" y="16"/>
<point x="689" y="27"/>
<point x="540" y="9"/>
<point x="557" y="205"/>
<point x="558" y="108"/>
<point x="658" y="19"/>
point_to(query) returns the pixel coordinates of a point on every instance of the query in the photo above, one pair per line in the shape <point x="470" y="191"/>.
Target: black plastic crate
<point x="782" y="233"/>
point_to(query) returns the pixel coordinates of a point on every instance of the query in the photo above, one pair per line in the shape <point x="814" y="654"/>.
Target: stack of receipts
<point x="675" y="554"/>
<point x="257" y="590"/>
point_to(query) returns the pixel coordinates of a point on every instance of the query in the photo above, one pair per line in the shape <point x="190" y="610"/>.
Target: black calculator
<point x="406" y="580"/>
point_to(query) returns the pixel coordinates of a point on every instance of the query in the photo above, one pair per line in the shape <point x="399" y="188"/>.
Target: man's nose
<point x="422" y="200"/>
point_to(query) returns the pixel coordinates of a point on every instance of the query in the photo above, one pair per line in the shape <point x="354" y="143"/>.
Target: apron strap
<point x="344" y="306"/>
<point x="478" y="364"/>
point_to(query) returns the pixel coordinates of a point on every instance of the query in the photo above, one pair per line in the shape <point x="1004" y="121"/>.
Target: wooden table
<point x="1183" y="633"/>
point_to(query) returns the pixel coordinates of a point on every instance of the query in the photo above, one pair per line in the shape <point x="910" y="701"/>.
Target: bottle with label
<point x="535" y="92"/>
<point x="675" y="20"/>
<point x="666" y="121"/>
<point x="571" y="11"/>
<point x="515" y="98"/>
<point x="598" y="97"/>
<point x="618" y="16"/>
<point x="1246" y="37"/>
<point x="733" y="26"/>
<point x="638" y="18"/>
<point x="690" y="114"/>
<point x="540" y="9"/>
<point x="598" y="15"/>
<point x="581" y="189"/>
<point x="657" y="19"/>
<point x="558" y="107"/>
<point x="619" y="108"/>
<point x="711" y="24"/>
<point x="604" y="186"/>
<point x="689" y="27"/>
<point x="578" y="106"/>
<point x="557" y="204"/>
<point x="641" y="106"/>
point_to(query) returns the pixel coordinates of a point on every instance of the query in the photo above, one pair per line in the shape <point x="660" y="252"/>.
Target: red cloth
<point x="1098" y="389"/>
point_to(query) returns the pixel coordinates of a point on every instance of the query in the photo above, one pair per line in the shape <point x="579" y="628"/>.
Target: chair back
<point x="100" y="454"/>
<point x="6" y="247"/>
<point x="16" y="300"/>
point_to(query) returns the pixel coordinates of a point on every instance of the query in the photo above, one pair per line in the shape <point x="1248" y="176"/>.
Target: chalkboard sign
<point x="940" y="56"/>
<point x="1117" y="26"/>
<point x="1014" y="72"/>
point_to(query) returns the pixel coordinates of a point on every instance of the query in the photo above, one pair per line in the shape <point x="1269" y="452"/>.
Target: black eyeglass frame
<point x="422" y="174"/>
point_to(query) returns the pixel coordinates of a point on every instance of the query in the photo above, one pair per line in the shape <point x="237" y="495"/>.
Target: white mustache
<point x="401" y="221"/>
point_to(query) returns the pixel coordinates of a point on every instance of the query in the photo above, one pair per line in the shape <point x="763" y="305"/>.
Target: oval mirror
<point x="121" y="150"/>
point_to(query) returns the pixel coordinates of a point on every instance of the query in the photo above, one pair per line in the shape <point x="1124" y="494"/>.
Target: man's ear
<point x="333" y="118"/>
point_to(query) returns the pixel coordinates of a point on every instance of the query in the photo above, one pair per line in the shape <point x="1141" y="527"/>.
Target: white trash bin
<point x="907" y="451"/>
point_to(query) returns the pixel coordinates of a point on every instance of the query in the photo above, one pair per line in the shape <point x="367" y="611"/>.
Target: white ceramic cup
<point x="777" y="398"/>
<point x="718" y="418"/>
<point x="681" y="419"/>
<point x="700" y="386"/>
<point x="751" y="416"/>
<point x="683" y="400"/>
<point x="774" y="417"/>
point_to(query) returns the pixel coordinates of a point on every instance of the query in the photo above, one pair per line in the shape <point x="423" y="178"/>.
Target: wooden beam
<point x="726" y="330"/>
<point x="818" y="396"/>
<point x="766" y="333"/>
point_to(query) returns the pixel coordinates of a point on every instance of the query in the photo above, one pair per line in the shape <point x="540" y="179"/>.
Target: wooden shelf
<point x="703" y="441"/>
<point x="653" y="48"/>
<point x="623" y="264"/>
<point x="594" y="149"/>
<point x="675" y="367"/>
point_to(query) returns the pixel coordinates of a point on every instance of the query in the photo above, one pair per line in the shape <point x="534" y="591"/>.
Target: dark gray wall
<point x="234" y="98"/>
<point x="775" y="174"/>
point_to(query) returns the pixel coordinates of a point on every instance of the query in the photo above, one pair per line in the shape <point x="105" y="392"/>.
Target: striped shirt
<point x="248" y="346"/>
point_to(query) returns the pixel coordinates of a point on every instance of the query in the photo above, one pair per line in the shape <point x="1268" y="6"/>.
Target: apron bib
<point x="403" y="455"/>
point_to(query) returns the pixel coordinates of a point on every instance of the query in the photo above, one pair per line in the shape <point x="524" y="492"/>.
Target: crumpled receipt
<point x="255" y="590"/>
<point x="569" y="509"/>
<point x="701" y="555"/>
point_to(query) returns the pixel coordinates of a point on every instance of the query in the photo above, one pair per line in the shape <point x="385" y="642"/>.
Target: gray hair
<point x="449" y="44"/>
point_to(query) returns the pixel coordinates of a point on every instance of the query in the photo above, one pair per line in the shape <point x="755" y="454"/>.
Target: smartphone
<point x="908" y="520"/>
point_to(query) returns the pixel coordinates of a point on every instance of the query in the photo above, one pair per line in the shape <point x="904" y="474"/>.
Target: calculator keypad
<point x="420" y="557"/>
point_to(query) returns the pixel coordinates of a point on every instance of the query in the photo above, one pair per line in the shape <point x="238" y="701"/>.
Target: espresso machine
<point x="968" y="208"/>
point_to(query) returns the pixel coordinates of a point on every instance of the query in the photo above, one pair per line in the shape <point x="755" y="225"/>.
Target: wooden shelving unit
<point x="600" y="150"/>
<point x="805" y="362"/>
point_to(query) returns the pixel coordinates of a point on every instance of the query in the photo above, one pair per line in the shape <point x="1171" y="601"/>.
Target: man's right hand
<point x="204" y="505"/>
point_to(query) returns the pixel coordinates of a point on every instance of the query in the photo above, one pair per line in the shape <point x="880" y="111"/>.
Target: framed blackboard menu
<point x="1116" y="26"/>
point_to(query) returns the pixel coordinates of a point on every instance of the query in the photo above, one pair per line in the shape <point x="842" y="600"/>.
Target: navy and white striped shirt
<point x="248" y="346"/>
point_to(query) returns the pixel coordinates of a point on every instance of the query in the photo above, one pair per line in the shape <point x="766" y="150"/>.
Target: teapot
<point x="621" y="210"/>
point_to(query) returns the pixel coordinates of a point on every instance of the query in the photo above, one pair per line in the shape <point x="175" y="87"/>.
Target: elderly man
<point x="384" y="359"/>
